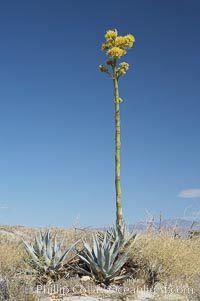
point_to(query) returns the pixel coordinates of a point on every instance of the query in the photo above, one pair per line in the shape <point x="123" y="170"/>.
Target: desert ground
<point x="161" y="266"/>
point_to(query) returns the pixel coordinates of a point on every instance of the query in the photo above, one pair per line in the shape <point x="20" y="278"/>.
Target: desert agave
<point x="46" y="255"/>
<point x="120" y="233"/>
<point x="103" y="261"/>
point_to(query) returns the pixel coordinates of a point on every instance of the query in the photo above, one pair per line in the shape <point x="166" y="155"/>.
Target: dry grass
<point x="11" y="258"/>
<point x="161" y="258"/>
<point x="12" y="267"/>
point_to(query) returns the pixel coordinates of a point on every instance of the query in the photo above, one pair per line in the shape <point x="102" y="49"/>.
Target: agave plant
<point x="47" y="256"/>
<point x="121" y="233"/>
<point x="103" y="261"/>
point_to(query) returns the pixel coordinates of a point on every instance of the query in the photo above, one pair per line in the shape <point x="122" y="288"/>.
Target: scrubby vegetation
<point x="151" y="258"/>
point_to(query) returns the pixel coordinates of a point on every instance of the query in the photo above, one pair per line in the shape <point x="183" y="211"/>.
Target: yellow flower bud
<point x="106" y="45"/>
<point x="124" y="65"/>
<point x="121" y="71"/>
<point x="119" y="41"/>
<point x="111" y="34"/>
<point x="116" y="52"/>
<point x="103" y="68"/>
<point x="129" y="40"/>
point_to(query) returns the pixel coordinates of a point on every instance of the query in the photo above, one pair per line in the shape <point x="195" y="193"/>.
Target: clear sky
<point x="57" y="111"/>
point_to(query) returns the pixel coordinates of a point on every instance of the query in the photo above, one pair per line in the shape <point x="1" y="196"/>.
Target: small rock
<point x="85" y="278"/>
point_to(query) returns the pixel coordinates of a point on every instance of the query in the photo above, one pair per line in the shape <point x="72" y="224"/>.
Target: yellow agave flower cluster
<point x="123" y="67"/>
<point x="116" y="47"/>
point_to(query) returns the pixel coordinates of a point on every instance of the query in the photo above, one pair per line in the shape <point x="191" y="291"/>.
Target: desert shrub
<point x="14" y="269"/>
<point x="11" y="258"/>
<point x="161" y="258"/>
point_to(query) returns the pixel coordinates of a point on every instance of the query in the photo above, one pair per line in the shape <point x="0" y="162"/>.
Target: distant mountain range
<point x="179" y="224"/>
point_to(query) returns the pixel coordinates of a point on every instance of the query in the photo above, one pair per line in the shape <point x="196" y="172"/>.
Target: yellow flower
<point x="116" y="52"/>
<point x="124" y="65"/>
<point x="106" y="45"/>
<point x="103" y="68"/>
<point x="111" y="34"/>
<point x="129" y="40"/>
<point x="120" y="41"/>
<point x="121" y="71"/>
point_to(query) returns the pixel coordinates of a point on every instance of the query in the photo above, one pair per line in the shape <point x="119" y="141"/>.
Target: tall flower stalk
<point x="116" y="47"/>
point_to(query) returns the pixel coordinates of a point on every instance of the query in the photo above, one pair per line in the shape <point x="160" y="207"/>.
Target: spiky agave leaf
<point x="47" y="254"/>
<point x="48" y="243"/>
<point x="65" y="254"/>
<point x="55" y="248"/>
<point x="103" y="260"/>
<point x="38" y="243"/>
<point x="30" y="250"/>
<point x="119" y="232"/>
<point x="32" y="254"/>
<point x="125" y="235"/>
<point x="117" y="265"/>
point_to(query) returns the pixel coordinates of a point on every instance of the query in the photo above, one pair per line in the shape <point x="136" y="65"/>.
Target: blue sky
<point x="57" y="112"/>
